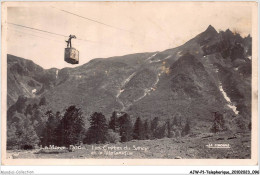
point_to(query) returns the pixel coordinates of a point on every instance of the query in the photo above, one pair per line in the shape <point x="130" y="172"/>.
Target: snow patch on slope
<point x="119" y="93"/>
<point x="151" y="56"/>
<point x="122" y="90"/>
<point x="155" y="61"/>
<point x="230" y="105"/>
<point x="146" y="91"/>
<point x="57" y="73"/>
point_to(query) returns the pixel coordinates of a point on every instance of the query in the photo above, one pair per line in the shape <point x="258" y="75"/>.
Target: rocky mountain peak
<point x="211" y="30"/>
<point x="208" y="35"/>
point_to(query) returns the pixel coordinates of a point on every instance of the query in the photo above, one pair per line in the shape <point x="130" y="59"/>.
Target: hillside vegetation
<point x="203" y="86"/>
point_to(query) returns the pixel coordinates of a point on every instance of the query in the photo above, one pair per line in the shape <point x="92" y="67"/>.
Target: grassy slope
<point x="191" y="147"/>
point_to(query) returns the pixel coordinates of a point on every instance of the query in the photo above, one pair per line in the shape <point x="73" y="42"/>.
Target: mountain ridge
<point x="192" y="79"/>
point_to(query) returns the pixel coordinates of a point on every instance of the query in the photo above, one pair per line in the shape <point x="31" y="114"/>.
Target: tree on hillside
<point x="29" y="137"/>
<point x="160" y="132"/>
<point x="250" y="126"/>
<point x="240" y="123"/>
<point x="12" y="138"/>
<point x="35" y="106"/>
<point x="169" y="128"/>
<point x="21" y="133"/>
<point x="218" y="123"/>
<point x="19" y="125"/>
<point x="29" y="110"/>
<point x="58" y="115"/>
<point x="138" y="132"/>
<point x="179" y="120"/>
<point x="174" y="122"/>
<point x="21" y="104"/>
<point x="15" y="117"/>
<point x="186" y="129"/>
<point x="113" y="137"/>
<point x="98" y="130"/>
<point x="113" y="123"/>
<point x="38" y="122"/>
<point x="71" y="127"/>
<point x="154" y="126"/>
<point x="126" y="128"/>
<point x="50" y="137"/>
<point x="147" y="130"/>
<point x="42" y="101"/>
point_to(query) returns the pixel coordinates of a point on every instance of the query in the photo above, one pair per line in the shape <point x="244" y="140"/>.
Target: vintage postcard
<point x="129" y="83"/>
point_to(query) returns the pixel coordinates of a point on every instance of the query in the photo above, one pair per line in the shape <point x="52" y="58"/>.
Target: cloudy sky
<point x="127" y="27"/>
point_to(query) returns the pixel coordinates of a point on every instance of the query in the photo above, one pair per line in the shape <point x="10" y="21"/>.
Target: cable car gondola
<point x="71" y="54"/>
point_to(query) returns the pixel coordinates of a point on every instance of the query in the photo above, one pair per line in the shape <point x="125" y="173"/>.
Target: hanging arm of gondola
<point x="69" y="45"/>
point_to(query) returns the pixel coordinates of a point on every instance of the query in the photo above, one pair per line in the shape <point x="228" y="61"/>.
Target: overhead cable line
<point x="36" y="29"/>
<point x="46" y="31"/>
<point x="93" y="20"/>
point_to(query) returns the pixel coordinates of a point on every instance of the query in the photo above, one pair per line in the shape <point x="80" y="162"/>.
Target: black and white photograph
<point x="115" y="82"/>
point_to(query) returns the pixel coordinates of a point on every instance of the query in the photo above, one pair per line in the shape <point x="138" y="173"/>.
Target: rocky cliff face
<point x="26" y="78"/>
<point x="211" y="72"/>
